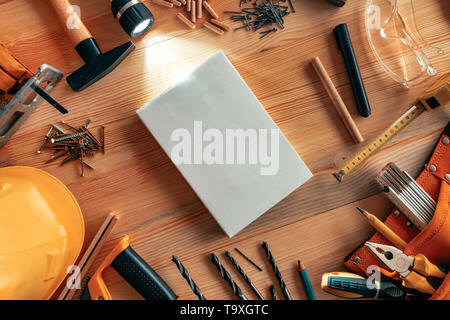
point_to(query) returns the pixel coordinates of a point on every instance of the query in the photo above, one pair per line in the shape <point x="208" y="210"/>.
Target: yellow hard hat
<point x="41" y="233"/>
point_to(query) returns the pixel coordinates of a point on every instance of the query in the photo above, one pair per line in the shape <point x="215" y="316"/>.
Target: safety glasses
<point x="397" y="42"/>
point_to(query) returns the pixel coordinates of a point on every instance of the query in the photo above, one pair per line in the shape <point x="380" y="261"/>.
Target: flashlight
<point x="134" y="17"/>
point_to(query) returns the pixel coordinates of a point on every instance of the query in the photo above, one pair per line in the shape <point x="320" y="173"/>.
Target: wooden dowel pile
<point x="195" y="10"/>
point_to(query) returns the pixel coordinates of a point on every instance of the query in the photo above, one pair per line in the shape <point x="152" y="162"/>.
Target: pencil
<point x="305" y="280"/>
<point x="337" y="101"/>
<point x="383" y="229"/>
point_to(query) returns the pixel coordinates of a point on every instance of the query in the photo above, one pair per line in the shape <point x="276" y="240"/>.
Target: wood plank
<point x="137" y="180"/>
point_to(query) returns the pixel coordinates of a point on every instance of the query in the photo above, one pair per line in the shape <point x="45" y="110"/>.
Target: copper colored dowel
<point x="213" y="28"/>
<point x="199" y="8"/>
<point x="337" y="100"/>
<point x="163" y="3"/>
<point x="189" y="5"/>
<point x="193" y="12"/>
<point x="221" y="24"/>
<point x="210" y="10"/>
<point x="176" y="3"/>
<point x="183" y="2"/>
<point x="185" y="20"/>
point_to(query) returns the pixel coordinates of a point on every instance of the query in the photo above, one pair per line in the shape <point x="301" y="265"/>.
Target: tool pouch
<point x="434" y="240"/>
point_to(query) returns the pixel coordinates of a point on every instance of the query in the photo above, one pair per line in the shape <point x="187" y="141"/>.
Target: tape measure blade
<point x="367" y="151"/>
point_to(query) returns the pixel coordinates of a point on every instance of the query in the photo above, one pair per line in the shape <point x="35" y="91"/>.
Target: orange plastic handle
<point x="423" y="266"/>
<point x="416" y="281"/>
<point x="96" y="285"/>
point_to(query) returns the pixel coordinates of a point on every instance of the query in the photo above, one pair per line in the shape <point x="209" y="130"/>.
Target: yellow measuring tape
<point x="437" y="95"/>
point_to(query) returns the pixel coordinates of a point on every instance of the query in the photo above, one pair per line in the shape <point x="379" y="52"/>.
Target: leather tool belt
<point x="434" y="240"/>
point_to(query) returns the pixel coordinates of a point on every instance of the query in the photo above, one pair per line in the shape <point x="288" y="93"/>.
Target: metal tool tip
<point x="360" y="210"/>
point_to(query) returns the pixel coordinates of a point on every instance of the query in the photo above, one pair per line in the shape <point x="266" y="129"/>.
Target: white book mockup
<point x="225" y="144"/>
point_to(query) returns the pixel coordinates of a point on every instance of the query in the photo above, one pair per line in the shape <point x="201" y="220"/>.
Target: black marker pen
<point x="345" y="46"/>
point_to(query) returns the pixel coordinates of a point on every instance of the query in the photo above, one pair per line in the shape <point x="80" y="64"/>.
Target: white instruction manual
<point x="225" y="144"/>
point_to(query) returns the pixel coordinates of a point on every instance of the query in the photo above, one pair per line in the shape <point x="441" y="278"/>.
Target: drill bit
<point x="236" y="290"/>
<point x="248" y="259"/>
<point x="276" y="271"/>
<point x="272" y="292"/>
<point x="244" y="276"/>
<point x="188" y="278"/>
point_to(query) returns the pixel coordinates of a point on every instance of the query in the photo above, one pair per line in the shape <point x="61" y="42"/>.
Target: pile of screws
<point x="74" y="144"/>
<point x="266" y="13"/>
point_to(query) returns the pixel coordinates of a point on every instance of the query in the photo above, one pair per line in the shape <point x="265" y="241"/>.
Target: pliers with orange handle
<point x="415" y="272"/>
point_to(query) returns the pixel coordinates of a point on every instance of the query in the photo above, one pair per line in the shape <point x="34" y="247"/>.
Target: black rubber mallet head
<point x="97" y="64"/>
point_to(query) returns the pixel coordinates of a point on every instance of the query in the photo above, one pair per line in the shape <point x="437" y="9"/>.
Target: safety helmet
<point x="41" y="233"/>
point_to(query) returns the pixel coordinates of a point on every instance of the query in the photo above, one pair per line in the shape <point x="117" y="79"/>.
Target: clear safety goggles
<point x="396" y="41"/>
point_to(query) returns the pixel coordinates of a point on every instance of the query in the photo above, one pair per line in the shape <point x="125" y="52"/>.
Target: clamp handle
<point x="134" y="270"/>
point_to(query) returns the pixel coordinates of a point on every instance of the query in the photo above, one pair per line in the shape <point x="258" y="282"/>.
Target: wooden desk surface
<point x="158" y="209"/>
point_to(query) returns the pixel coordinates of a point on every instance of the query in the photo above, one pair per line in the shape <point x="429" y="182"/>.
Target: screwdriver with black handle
<point x="352" y="286"/>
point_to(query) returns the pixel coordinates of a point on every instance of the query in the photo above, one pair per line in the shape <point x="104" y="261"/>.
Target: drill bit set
<point x="73" y="145"/>
<point x="237" y="291"/>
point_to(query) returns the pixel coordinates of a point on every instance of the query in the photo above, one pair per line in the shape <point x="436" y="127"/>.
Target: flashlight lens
<point x="141" y="28"/>
<point x="134" y="17"/>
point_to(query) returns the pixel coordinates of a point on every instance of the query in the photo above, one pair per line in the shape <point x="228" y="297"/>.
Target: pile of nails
<point x="73" y="144"/>
<point x="265" y="13"/>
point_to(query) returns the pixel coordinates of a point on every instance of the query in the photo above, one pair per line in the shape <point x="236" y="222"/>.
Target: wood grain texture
<point x="136" y="179"/>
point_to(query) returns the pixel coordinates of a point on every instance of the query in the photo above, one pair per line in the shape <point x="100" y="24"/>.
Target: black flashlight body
<point x="359" y="91"/>
<point x="130" y="14"/>
<point x="338" y="3"/>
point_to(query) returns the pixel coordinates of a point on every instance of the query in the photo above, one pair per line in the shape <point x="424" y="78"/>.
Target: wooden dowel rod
<point x="185" y="20"/>
<point x="337" y="100"/>
<point x="211" y="11"/>
<point x="193" y="12"/>
<point x="163" y="3"/>
<point x="213" y="28"/>
<point x="199" y="9"/>
<point x="221" y="24"/>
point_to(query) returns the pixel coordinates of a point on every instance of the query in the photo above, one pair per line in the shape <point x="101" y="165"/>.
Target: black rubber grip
<point x="141" y="276"/>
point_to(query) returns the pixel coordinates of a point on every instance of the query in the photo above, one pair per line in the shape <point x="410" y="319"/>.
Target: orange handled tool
<point x="416" y="272"/>
<point x="97" y="64"/>
<point x="134" y="270"/>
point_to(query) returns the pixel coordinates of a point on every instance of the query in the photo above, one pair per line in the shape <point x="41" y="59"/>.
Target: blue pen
<point x="306" y="282"/>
